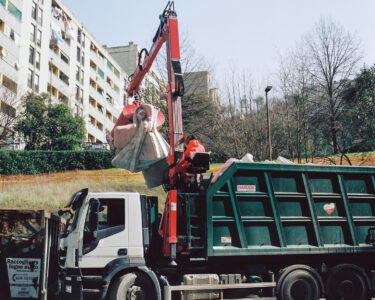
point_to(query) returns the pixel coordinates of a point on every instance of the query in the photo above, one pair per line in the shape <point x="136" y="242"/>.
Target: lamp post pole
<point x="268" y="88"/>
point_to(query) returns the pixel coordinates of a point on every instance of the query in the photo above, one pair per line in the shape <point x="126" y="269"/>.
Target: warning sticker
<point x="329" y="208"/>
<point x="23" y="275"/>
<point x="226" y="240"/>
<point x="246" y="188"/>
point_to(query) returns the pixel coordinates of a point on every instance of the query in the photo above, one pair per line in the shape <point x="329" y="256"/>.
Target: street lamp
<point x="268" y="88"/>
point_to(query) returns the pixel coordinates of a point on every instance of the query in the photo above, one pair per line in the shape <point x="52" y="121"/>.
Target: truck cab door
<point x="105" y="232"/>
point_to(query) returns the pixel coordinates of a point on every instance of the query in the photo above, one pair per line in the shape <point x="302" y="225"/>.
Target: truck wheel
<point x="299" y="285"/>
<point x="347" y="282"/>
<point x="132" y="286"/>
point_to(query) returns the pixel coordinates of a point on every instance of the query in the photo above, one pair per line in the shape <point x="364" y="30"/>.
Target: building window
<point x="77" y="92"/>
<point x="36" y="83"/>
<point x="64" y="58"/>
<point x="83" y="58"/>
<point x="9" y="84"/>
<point x="79" y="36"/>
<point x="40" y="16"/>
<point x="109" y="98"/>
<point x="30" y="78"/>
<point x="37" y="60"/>
<point x="33" y="11"/>
<point x="32" y="33"/>
<point x="77" y="73"/>
<point x="101" y="56"/>
<point x="14" y="11"/>
<point x="81" y="96"/>
<point x="83" y="40"/>
<point x="39" y="38"/>
<point x="117" y="72"/>
<point x="109" y="65"/>
<point x="31" y="55"/>
<point x="78" y="54"/>
<point x="7" y="109"/>
<point x="101" y="73"/>
<point x="64" y="77"/>
<point x="76" y="110"/>
<point x="82" y="76"/>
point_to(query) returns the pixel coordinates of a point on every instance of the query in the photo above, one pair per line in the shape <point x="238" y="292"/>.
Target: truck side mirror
<point x="94" y="217"/>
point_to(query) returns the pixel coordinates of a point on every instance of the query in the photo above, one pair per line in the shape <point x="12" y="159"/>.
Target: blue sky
<point x="248" y="34"/>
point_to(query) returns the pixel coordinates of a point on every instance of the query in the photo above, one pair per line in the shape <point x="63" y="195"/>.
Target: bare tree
<point x="295" y="82"/>
<point x="8" y="113"/>
<point x="334" y="56"/>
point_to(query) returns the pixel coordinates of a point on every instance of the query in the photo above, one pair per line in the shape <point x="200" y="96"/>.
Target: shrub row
<point x="36" y="162"/>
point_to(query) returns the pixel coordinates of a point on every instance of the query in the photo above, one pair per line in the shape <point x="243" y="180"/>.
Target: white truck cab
<point x="107" y="236"/>
<point x="118" y="232"/>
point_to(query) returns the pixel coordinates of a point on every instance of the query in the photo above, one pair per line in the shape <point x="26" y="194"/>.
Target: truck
<point x="260" y="229"/>
<point x="294" y="232"/>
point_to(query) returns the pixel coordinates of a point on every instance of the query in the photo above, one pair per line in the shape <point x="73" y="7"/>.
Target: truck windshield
<point x="75" y="205"/>
<point x="73" y="225"/>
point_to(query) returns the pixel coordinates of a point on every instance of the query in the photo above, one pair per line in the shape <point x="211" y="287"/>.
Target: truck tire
<point x="347" y="282"/>
<point x="299" y="285"/>
<point x="132" y="286"/>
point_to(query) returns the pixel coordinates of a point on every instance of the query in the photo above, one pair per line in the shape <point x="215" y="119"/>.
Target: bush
<point x="36" y="162"/>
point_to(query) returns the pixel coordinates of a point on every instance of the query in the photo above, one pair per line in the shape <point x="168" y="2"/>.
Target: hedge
<point x="36" y="162"/>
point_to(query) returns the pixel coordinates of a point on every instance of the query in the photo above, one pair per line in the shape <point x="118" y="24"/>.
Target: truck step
<point x="91" y="294"/>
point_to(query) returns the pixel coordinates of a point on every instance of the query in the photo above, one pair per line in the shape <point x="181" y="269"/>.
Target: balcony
<point x="97" y="114"/>
<point x="64" y="46"/>
<point x="59" y="63"/>
<point x="11" y="21"/>
<point x="60" y="23"/>
<point x="96" y="95"/>
<point x="9" y="45"/>
<point x="98" y="61"/>
<point x="94" y="131"/>
<point x="8" y="68"/>
<point x="58" y="84"/>
<point x="18" y="4"/>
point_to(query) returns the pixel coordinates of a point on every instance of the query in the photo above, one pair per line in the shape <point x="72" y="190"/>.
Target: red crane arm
<point x="143" y="69"/>
<point x="184" y="167"/>
<point x="166" y="33"/>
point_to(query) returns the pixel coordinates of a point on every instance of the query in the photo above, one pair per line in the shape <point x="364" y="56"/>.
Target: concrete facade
<point x="127" y="58"/>
<point x="44" y="48"/>
<point x="199" y="84"/>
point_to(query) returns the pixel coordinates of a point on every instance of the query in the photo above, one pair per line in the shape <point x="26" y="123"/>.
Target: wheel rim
<point x="300" y="290"/>
<point x="349" y="286"/>
<point x="136" y="293"/>
<point x="346" y="289"/>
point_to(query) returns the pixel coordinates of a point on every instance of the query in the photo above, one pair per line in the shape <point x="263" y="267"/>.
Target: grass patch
<point x="52" y="191"/>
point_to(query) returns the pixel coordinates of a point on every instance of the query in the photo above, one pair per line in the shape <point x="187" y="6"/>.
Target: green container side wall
<point x="288" y="211"/>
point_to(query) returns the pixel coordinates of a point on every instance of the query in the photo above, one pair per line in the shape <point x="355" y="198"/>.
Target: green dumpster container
<point x="266" y="209"/>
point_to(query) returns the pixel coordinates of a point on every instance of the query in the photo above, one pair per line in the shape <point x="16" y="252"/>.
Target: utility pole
<point x="268" y="88"/>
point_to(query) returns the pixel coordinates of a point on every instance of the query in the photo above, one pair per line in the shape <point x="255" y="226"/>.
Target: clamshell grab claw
<point x="137" y="142"/>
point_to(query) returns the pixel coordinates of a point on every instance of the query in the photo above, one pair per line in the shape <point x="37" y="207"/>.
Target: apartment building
<point x="127" y="57"/>
<point x="199" y="84"/>
<point x="44" y="48"/>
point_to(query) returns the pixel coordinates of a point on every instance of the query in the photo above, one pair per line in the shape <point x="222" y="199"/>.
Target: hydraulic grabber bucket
<point x="137" y="143"/>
